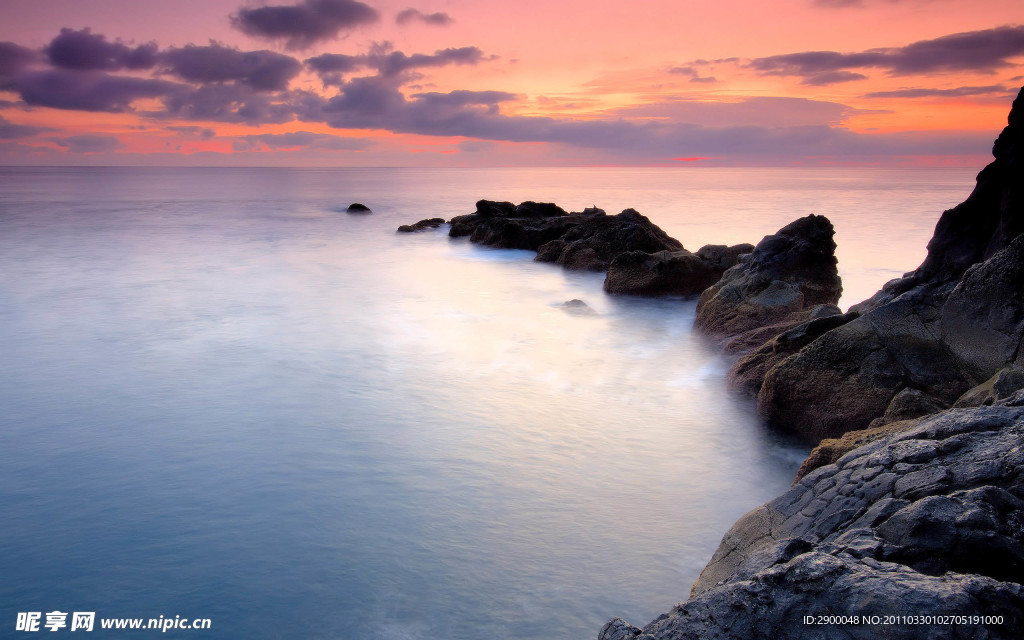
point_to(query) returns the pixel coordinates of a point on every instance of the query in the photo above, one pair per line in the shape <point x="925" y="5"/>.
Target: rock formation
<point x="586" y="241"/>
<point x="358" y="207"/>
<point x="679" y="273"/>
<point x="422" y="225"/>
<point x="921" y="513"/>
<point x="789" y="278"/>
<point x="941" y="330"/>
<point x="924" y="522"/>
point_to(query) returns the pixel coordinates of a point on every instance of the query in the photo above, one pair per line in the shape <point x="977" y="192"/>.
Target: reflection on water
<point x="222" y="398"/>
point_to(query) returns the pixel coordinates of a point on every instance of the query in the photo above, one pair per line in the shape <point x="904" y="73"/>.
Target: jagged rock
<point x="941" y="329"/>
<point x="1003" y="384"/>
<point x="747" y="374"/>
<point x="778" y="283"/>
<point x="830" y="450"/>
<point x="586" y="241"/>
<point x="358" y="207"/>
<point x="925" y="521"/>
<point x="507" y="226"/>
<point x="680" y="273"/>
<point x="422" y="225"/>
<point x="598" y="238"/>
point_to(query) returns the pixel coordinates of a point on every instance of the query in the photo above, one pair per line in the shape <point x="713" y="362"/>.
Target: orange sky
<point x="468" y="83"/>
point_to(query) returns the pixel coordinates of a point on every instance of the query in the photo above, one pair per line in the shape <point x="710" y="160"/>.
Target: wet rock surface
<point x="926" y="521"/>
<point x="680" y="273"/>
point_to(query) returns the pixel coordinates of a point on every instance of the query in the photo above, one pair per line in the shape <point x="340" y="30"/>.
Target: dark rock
<point x="747" y="373"/>
<point x="912" y="520"/>
<point x="778" y="283"/>
<point x="358" y="207"/>
<point x="583" y="241"/>
<point x="680" y="273"/>
<point x="422" y="225"/>
<point x="598" y="238"/>
<point x="507" y="226"/>
<point x="941" y="329"/>
<point x="1003" y="384"/>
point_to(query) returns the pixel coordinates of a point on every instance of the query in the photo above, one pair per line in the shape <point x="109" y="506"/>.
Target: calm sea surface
<point x="223" y="397"/>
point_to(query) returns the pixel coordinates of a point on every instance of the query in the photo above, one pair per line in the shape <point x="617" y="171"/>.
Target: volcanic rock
<point x="679" y="273"/>
<point x="780" y="283"/>
<point x="422" y="225"/>
<point x="942" y="329"/>
<point x="925" y="520"/>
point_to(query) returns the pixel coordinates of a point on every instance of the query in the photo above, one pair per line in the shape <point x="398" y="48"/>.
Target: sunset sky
<point x="526" y="83"/>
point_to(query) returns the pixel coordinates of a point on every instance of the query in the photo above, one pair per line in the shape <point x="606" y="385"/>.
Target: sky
<point x="467" y="83"/>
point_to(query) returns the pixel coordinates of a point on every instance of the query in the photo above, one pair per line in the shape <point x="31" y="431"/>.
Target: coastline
<point x="924" y="508"/>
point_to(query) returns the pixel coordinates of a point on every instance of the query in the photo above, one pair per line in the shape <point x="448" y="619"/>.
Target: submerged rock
<point x="577" y="307"/>
<point x="680" y="272"/>
<point x="927" y="520"/>
<point x="941" y="330"/>
<point x="358" y="207"/>
<point x="422" y="225"/>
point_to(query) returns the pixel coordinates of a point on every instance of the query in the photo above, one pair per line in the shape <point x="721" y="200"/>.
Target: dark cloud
<point x="396" y="62"/>
<point x="84" y="50"/>
<point x="14" y="59"/>
<point x="336" y="63"/>
<point x="978" y="51"/>
<point x="300" y="139"/>
<point x="90" y="90"/>
<point x="331" y="67"/>
<point x="993" y="89"/>
<point x="832" y="77"/>
<point x="692" y="73"/>
<point x="11" y="131"/>
<point x="304" y="24"/>
<point x="440" y="18"/>
<point x="214" y="63"/>
<point x="972" y="51"/>
<point x="193" y="132"/>
<point x="236" y="103"/>
<point x="88" y="143"/>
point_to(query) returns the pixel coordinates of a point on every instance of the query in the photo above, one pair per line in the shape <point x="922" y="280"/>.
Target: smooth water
<point x="223" y="397"/>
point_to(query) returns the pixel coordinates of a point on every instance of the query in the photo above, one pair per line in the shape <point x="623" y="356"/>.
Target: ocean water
<point x="223" y="397"/>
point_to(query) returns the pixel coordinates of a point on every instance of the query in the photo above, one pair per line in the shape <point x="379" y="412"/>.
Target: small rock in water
<point x="577" y="307"/>
<point x="358" y="207"/>
<point x="422" y="225"/>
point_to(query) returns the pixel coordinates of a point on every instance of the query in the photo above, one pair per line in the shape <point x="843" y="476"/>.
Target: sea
<point x="224" y="398"/>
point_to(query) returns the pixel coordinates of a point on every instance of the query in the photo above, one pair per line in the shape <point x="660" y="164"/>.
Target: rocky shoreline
<point x="912" y="502"/>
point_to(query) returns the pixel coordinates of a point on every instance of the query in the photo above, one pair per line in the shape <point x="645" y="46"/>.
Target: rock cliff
<point x="924" y="522"/>
<point x="941" y="330"/>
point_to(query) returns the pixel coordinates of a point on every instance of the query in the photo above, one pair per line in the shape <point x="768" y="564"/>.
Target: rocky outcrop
<point x="588" y="240"/>
<point x="508" y="226"/>
<point x="358" y="207"/>
<point x="783" y="282"/>
<point x="598" y="238"/>
<point x="747" y="373"/>
<point x="679" y="273"/>
<point x="927" y="521"/>
<point x="423" y="225"/>
<point x="941" y="330"/>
